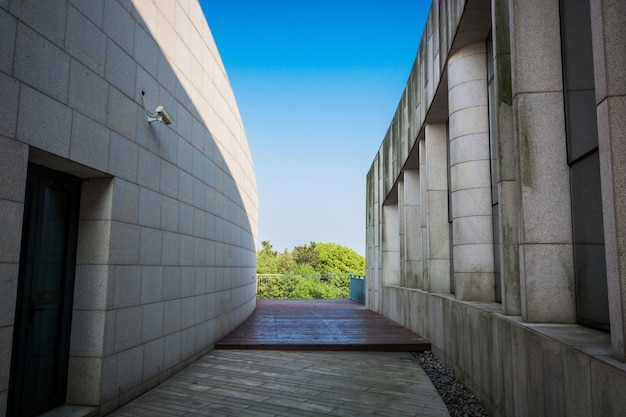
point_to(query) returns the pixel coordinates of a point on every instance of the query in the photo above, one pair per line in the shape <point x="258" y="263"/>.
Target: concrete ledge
<point x="515" y="368"/>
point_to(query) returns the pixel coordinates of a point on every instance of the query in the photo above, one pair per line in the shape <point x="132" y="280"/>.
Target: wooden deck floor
<point x="341" y="325"/>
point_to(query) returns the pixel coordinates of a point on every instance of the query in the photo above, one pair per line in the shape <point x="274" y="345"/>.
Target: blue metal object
<point x="357" y="288"/>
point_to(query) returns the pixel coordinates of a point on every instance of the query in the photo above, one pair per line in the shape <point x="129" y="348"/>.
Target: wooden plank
<point x="321" y="325"/>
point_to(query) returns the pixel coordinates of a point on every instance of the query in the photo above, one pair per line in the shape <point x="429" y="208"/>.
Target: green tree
<point x="266" y="259"/>
<point x="338" y="259"/>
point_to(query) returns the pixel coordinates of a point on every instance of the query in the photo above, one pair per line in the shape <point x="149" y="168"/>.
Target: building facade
<point x="127" y="230"/>
<point x="496" y="206"/>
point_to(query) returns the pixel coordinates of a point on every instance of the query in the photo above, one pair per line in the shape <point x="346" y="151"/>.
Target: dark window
<point x="495" y="168"/>
<point x="584" y="163"/>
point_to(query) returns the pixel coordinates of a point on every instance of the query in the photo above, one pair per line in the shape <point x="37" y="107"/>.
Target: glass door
<point x="45" y="290"/>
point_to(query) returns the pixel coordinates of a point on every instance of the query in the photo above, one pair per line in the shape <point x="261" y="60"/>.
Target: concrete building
<point x="496" y="206"/>
<point x="127" y="245"/>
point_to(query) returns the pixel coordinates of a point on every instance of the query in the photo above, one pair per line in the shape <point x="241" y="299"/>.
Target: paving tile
<point x="257" y="383"/>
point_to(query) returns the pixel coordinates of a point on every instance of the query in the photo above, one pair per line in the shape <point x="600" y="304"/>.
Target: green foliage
<point x="312" y="271"/>
<point x="315" y="258"/>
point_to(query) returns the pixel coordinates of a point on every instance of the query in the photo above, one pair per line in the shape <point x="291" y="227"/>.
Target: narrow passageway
<point x="302" y="358"/>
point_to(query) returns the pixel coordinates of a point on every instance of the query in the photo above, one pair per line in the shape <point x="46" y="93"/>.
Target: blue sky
<point x="317" y="84"/>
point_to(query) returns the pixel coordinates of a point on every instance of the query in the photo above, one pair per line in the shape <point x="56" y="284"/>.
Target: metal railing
<point x="307" y="286"/>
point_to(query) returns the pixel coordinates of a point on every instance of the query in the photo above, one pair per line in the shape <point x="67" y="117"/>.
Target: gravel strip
<point x="456" y="396"/>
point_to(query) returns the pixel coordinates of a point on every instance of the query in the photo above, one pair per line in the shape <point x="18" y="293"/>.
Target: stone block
<point x="185" y="187"/>
<point x="200" y="313"/>
<point x="547" y="273"/>
<point x="8" y="25"/>
<point x="171" y="249"/>
<point x="122" y="117"/>
<point x="10" y="230"/>
<point x="120" y="69"/>
<point x="92" y="11"/>
<point x="151" y="284"/>
<point x="85" y="375"/>
<point x="153" y="358"/>
<point x="125" y="201"/>
<point x="123" y="157"/>
<point x="471" y="174"/>
<point x="473" y="147"/>
<point x="473" y="229"/>
<point x="152" y="327"/>
<point x="169" y="179"/>
<point x="439" y="275"/>
<point x="474" y="286"/>
<point x="535" y="47"/>
<point x="469" y="121"/>
<point x="199" y="223"/>
<point x="128" y="325"/>
<point x="129" y="369"/>
<point x="108" y="387"/>
<point x="577" y="377"/>
<point x="49" y="18"/>
<point x="471" y="202"/>
<point x="467" y="64"/>
<point x="467" y="94"/>
<point x="173" y="347"/>
<point x="125" y="241"/>
<point x="85" y="41"/>
<point x="171" y="316"/>
<point x="127" y="286"/>
<point x="88" y="92"/>
<point x="188" y="311"/>
<point x="119" y="25"/>
<point x="185" y="218"/>
<point x="37" y="113"/>
<point x="8" y="292"/>
<point x="9" y="94"/>
<point x="90" y="143"/>
<point x="607" y="387"/>
<point x="91" y="287"/>
<point x="149" y="208"/>
<point x="186" y="250"/>
<point x="188" y="342"/>
<point x="41" y="64"/>
<point x="87" y="333"/>
<point x="151" y="247"/>
<point x="14" y="163"/>
<point x="149" y="170"/>
<point x="96" y="199"/>
<point x="171" y="283"/>
<point x="170" y="209"/>
<point x="146" y="51"/>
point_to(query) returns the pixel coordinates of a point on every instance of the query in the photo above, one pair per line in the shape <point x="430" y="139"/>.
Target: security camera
<point x="164" y="116"/>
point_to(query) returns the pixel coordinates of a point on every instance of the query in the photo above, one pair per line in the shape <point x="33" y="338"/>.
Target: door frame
<point x="38" y="177"/>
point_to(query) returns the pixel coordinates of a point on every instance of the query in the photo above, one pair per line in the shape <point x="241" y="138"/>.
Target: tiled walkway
<point x="308" y="376"/>
<point x="321" y="325"/>
<point x="294" y="383"/>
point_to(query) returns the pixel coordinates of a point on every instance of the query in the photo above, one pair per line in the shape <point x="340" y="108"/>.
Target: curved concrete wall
<point x="167" y="234"/>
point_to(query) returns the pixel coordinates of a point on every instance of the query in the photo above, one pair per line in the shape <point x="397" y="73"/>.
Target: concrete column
<point x="609" y="48"/>
<point x="401" y="233"/>
<point x="424" y="282"/>
<point x="390" y="246"/>
<point x="436" y="206"/>
<point x="374" y="248"/>
<point x="545" y="225"/>
<point x="412" y="230"/>
<point x="470" y="174"/>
